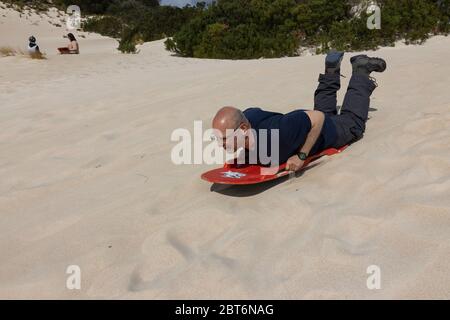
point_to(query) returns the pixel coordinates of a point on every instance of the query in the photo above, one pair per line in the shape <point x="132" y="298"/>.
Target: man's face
<point x="231" y="139"/>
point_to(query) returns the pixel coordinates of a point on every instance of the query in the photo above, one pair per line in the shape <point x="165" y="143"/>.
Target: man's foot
<point x="333" y="62"/>
<point x="362" y="64"/>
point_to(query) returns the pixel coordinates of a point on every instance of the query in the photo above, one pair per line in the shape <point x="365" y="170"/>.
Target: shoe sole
<point x="382" y="64"/>
<point x="335" y="60"/>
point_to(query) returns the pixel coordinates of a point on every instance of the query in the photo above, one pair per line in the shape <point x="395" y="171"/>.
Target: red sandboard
<point x="252" y="174"/>
<point x="64" y="50"/>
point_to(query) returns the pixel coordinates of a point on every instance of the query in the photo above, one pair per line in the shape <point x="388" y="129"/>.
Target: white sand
<point x="86" y="179"/>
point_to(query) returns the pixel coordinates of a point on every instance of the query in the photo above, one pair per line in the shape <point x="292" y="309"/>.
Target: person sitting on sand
<point x="72" y="48"/>
<point x="33" y="48"/>
<point x="306" y="132"/>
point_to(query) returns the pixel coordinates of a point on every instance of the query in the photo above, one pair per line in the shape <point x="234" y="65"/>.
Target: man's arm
<point x="317" y="118"/>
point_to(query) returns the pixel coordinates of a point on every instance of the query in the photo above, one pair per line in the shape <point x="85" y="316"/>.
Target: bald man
<point x="301" y="133"/>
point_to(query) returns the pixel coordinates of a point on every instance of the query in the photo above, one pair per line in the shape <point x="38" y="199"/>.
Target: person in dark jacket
<point x="301" y="133"/>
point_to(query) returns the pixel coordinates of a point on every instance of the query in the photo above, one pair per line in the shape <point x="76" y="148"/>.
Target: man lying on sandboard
<point x="306" y="132"/>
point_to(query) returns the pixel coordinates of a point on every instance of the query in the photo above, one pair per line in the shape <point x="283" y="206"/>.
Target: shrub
<point x="412" y="20"/>
<point x="7" y="51"/>
<point x="444" y="16"/>
<point x="108" y="25"/>
<point x="129" y="40"/>
<point x="137" y="21"/>
<point x="239" y="29"/>
<point x="245" y="29"/>
<point x="38" y="5"/>
<point x="261" y="28"/>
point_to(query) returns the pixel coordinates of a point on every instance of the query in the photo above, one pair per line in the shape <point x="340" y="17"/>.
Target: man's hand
<point x="294" y="163"/>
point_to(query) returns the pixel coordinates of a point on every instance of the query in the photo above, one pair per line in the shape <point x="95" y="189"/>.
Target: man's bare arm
<point x="317" y="118"/>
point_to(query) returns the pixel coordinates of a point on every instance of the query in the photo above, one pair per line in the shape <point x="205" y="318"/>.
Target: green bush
<point x="246" y="29"/>
<point x="243" y="29"/>
<point x="38" y="5"/>
<point x="108" y="25"/>
<point x="233" y="29"/>
<point x="412" y="20"/>
<point x="139" y="21"/>
<point x="102" y="7"/>
<point x="129" y="38"/>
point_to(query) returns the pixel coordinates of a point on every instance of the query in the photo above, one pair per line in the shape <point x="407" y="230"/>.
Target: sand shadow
<point x="254" y="189"/>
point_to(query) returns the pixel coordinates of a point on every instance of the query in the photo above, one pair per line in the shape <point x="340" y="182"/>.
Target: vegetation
<point x="6" y="51"/>
<point x="38" y="5"/>
<point x="239" y="29"/>
<point x="244" y="29"/>
<point x="134" y="22"/>
<point x="106" y="25"/>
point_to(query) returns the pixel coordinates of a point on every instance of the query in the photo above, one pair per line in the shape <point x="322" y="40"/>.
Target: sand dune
<point x="86" y="178"/>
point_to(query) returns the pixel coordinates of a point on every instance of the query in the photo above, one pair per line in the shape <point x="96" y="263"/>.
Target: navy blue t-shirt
<point x="293" y="129"/>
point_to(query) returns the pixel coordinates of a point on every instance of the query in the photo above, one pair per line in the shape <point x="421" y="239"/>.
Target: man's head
<point x="231" y="128"/>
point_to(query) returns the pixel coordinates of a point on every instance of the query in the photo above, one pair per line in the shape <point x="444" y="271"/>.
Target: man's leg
<point x="329" y="83"/>
<point x="325" y="95"/>
<point x="351" y="123"/>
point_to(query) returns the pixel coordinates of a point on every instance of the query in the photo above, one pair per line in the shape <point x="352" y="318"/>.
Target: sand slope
<point x="86" y="179"/>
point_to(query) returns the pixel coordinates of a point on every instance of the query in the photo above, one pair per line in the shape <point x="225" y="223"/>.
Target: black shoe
<point x="362" y="64"/>
<point x="333" y="62"/>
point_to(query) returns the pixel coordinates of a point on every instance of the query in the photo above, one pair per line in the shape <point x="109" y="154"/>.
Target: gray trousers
<point x="351" y="122"/>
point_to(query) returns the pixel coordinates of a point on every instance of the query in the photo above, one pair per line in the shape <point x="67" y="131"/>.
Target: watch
<point x="302" y="156"/>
